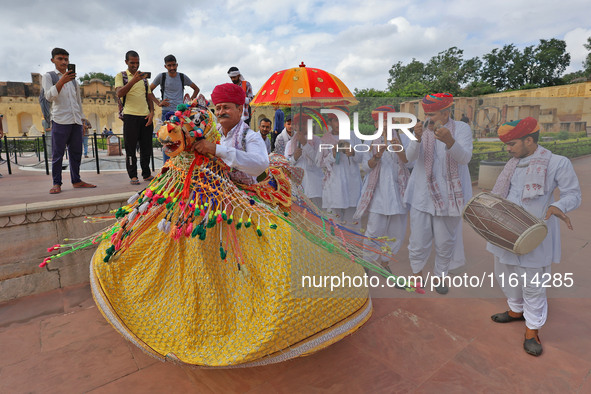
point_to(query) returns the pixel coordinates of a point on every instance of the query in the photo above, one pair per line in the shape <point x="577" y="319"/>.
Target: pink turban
<point x="228" y="93"/>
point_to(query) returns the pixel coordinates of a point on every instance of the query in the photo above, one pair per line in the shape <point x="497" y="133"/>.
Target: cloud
<point x="357" y="41"/>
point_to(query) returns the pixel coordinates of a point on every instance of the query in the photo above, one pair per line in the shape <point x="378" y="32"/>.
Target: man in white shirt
<point x="284" y="137"/>
<point x="66" y="119"/>
<point x="264" y="130"/>
<point x="439" y="185"/>
<point x="240" y="147"/>
<point x="529" y="180"/>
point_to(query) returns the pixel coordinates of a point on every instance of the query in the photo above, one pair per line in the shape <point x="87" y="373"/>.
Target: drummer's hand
<point x="444" y="135"/>
<point x="559" y="214"/>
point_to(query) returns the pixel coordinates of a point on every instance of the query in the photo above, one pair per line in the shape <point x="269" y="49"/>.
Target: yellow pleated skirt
<point x="179" y="301"/>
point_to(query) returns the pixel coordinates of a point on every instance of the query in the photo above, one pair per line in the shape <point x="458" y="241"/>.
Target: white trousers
<point x="391" y="226"/>
<point x="345" y="216"/>
<point x="458" y="259"/>
<point x="525" y="291"/>
<point x="426" y="228"/>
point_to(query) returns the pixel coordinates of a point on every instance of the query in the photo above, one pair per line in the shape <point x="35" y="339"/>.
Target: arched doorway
<point x="25" y="121"/>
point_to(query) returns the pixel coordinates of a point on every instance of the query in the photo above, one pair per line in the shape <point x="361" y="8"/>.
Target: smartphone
<point x="72" y="68"/>
<point x="147" y="75"/>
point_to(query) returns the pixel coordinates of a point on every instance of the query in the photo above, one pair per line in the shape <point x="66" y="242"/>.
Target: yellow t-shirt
<point x="135" y="101"/>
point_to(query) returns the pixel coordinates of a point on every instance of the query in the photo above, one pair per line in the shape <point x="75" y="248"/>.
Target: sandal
<point x="55" y="189"/>
<point x="505" y="317"/>
<point x="148" y="179"/>
<point x="135" y="181"/>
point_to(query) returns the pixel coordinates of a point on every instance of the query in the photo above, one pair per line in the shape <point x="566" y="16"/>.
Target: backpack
<point x="46" y="105"/>
<point x="163" y="80"/>
<point x="120" y="102"/>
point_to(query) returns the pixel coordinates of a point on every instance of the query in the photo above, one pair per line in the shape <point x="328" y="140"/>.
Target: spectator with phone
<point x="138" y="114"/>
<point x="66" y="119"/>
<point x="172" y="85"/>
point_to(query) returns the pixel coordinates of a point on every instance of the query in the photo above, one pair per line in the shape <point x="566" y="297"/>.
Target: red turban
<point x="518" y="129"/>
<point x="228" y="93"/>
<point x="437" y="102"/>
<point x="384" y="108"/>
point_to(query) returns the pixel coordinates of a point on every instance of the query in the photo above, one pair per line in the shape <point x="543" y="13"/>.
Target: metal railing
<point x="16" y="147"/>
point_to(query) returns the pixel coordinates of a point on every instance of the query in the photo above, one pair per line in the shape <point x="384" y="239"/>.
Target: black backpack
<point x="163" y="80"/>
<point x="46" y="105"/>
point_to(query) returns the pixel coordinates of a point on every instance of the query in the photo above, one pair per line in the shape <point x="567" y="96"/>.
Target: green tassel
<point x="286" y="213"/>
<point x="273" y="226"/>
<point x="161" y="200"/>
<point x="224" y="216"/>
<point x="120" y="213"/>
<point x="239" y="224"/>
<point x="223" y="253"/>
<point x="195" y="232"/>
<point x="211" y="223"/>
<point x="248" y="223"/>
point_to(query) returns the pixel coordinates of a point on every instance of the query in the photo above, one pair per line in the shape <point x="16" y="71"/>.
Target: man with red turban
<point x="529" y="180"/>
<point x="438" y="187"/>
<point x="240" y="147"/>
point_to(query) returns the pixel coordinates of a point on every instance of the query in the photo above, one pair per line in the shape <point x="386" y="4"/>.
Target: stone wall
<point x="29" y="229"/>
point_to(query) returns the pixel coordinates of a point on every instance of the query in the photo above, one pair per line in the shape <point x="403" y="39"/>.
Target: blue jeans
<point x="62" y="136"/>
<point x="164" y="156"/>
<point x="85" y="144"/>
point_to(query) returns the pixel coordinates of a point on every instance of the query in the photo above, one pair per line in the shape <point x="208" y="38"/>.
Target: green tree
<point x="548" y="62"/>
<point x="402" y="76"/>
<point x="587" y="62"/>
<point x="97" y="75"/>
<point x="499" y="68"/>
<point x="448" y="71"/>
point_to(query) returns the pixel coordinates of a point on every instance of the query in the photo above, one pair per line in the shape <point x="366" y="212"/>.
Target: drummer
<point x="529" y="180"/>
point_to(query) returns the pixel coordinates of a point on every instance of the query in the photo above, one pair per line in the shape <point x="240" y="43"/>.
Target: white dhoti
<point x="391" y="226"/>
<point x="424" y="228"/>
<point x="525" y="291"/>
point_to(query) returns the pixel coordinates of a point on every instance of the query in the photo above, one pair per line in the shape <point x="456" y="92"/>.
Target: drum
<point x="504" y="224"/>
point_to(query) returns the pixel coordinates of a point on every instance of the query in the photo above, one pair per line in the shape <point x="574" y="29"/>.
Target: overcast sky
<point x="356" y="40"/>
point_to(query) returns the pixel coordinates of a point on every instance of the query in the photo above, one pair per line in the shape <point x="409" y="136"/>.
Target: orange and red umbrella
<point x="310" y="86"/>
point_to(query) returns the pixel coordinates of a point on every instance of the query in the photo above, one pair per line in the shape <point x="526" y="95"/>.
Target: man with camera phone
<point x="62" y="91"/>
<point x="138" y="113"/>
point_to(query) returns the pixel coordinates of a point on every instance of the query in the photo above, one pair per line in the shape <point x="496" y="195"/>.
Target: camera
<point x="148" y="75"/>
<point x="72" y="68"/>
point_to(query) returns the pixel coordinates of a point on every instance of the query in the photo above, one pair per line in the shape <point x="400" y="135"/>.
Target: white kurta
<point x="417" y="193"/>
<point x="254" y="161"/>
<point x="529" y="295"/>
<point x="341" y="188"/>
<point x="281" y="142"/>
<point x="312" y="181"/>
<point x="425" y="226"/>
<point x="387" y="212"/>
<point x="560" y="174"/>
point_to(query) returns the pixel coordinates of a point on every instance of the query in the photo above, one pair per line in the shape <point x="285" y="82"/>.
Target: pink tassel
<point x="45" y="262"/>
<point x="219" y="218"/>
<point x="54" y="247"/>
<point x="189" y="230"/>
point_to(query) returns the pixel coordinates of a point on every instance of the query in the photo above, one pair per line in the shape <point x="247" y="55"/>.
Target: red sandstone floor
<point x="58" y="342"/>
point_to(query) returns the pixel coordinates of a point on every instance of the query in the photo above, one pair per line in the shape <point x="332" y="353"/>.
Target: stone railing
<point x="29" y="229"/>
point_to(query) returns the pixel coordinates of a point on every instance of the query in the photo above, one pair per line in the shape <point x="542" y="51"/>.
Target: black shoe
<point x="505" y="317"/>
<point x="442" y="289"/>
<point x="532" y="347"/>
